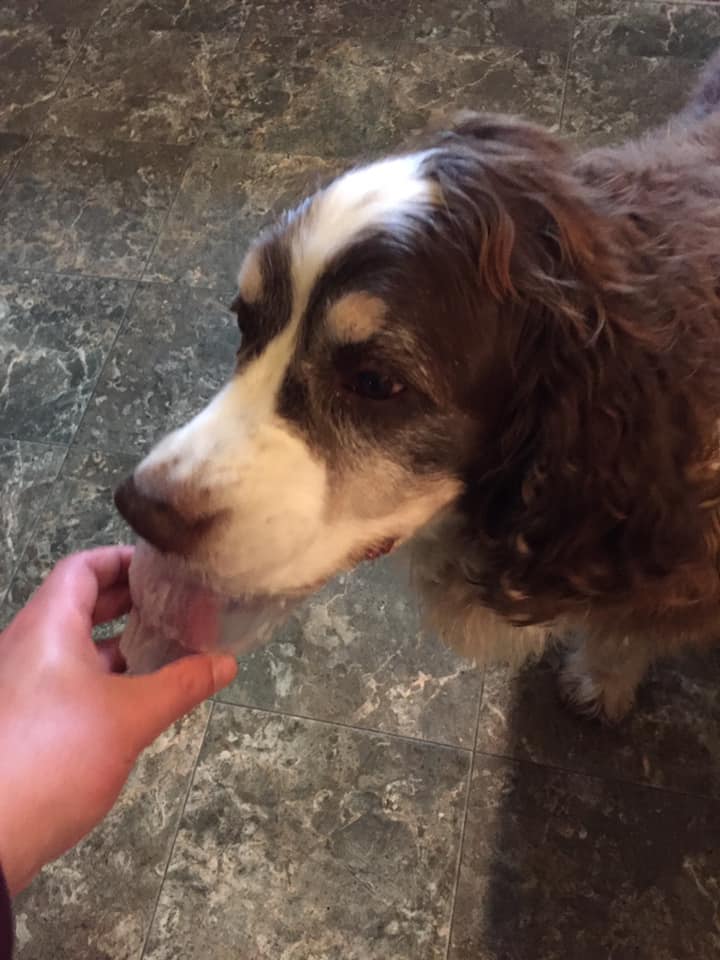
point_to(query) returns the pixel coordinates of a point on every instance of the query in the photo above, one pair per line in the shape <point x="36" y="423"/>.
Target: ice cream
<point x="175" y="612"/>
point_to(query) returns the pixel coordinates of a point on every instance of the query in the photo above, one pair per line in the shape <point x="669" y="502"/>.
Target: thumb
<point x="160" y="698"/>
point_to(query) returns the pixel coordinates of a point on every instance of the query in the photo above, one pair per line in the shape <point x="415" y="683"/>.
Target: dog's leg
<point x="600" y="674"/>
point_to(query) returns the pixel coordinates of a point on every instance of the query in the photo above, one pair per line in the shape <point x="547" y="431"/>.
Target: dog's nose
<point x="158" y="522"/>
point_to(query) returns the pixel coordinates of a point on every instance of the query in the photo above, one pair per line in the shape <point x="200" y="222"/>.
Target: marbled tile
<point x="224" y="199"/>
<point x="627" y="28"/>
<point x="558" y="866"/>
<point x="90" y="207"/>
<point x="34" y="58"/>
<point x="196" y="16"/>
<point x="96" y="903"/>
<point x="321" y="96"/>
<point x="176" y="349"/>
<point x="513" y="23"/>
<point x="634" y="64"/>
<point x="671" y="738"/>
<point x="432" y="82"/>
<point x="77" y="513"/>
<point x="301" y="839"/>
<point x="11" y="145"/>
<point x="95" y="467"/>
<point x="55" y="335"/>
<point x="357" y="653"/>
<point x="611" y="99"/>
<point x="58" y="13"/>
<point x="148" y="85"/>
<point x="27" y="471"/>
<point x="359" y="19"/>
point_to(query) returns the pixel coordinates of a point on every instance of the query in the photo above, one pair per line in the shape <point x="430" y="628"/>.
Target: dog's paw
<point x="606" y="697"/>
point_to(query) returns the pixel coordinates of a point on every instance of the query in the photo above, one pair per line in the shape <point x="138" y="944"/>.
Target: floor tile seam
<point x="373" y="731"/>
<point x="608" y="778"/>
<point x="84" y="36"/>
<point x="17" y="438"/>
<point x="82" y="274"/>
<point x="463" y="827"/>
<point x="70" y="442"/>
<point x="15" y="161"/>
<point x="103" y="366"/>
<point x="568" y="62"/>
<point x="397" y="45"/>
<point x="15" y="271"/>
<point x="192" y="152"/>
<point x="176" y="832"/>
<point x="33" y="526"/>
<point x="35" y="131"/>
<point x="712" y="4"/>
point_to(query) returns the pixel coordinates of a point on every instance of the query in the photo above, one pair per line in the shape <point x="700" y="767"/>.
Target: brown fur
<point x="594" y="502"/>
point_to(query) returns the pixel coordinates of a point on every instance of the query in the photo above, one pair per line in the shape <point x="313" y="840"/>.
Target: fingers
<point x="77" y="581"/>
<point x="158" y="699"/>
<point x="111" y="604"/>
<point x="109" y="565"/>
<point x="111" y="658"/>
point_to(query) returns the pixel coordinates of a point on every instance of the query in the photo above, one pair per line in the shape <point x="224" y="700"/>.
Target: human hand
<point x="71" y="725"/>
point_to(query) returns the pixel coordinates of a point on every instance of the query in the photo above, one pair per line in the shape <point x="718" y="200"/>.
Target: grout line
<point x="171" y="849"/>
<point x="712" y="4"/>
<point x="383" y="112"/>
<point x="194" y="147"/>
<point x="141" y="276"/>
<point x="70" y="443"/>
<point x="33" y="134"/>
<point x="568" y="64"/>
<point x="32" y="527"/>
<point x="81" y="46"/>
<point x="600" y="777"/>
<point x="345" y="726"/>
<point x="16" y="161"/>
<point x="35" y="271"/>
<point x="466" y="807"/>
<point x="192" y="152"/>
<point x="103" y="367"/>
<point x="51" y="444"/>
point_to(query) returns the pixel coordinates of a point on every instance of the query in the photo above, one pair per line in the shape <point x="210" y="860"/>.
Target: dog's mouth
<point x="379" y="549"/>
<point x="177" y="611"/>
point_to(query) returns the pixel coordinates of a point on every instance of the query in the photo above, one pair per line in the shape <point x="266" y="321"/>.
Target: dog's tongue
<point x="174" y="613"/>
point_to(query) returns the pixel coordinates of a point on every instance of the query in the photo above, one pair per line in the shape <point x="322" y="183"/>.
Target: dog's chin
<point x="181" y="606"/>
<point x="201" y="574"/>
<point x="228" y="587"/>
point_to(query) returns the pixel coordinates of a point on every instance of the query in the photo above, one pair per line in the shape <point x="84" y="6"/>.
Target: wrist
<point x="18" y="837"/>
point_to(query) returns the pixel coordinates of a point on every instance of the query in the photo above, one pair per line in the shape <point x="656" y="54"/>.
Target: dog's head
<point x="382" y="323"/>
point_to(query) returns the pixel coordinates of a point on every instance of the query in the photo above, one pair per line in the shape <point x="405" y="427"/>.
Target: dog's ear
<point x="579" y="486"/>
<point x="510" y="187"/>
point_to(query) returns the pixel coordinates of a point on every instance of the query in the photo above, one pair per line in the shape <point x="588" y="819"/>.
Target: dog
<point x="507" y="356"/>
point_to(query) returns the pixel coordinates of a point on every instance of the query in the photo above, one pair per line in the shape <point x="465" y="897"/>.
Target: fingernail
<point x="224" y="668"/>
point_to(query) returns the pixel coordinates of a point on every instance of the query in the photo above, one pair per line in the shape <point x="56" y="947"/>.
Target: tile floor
<point x="359" y="793"/>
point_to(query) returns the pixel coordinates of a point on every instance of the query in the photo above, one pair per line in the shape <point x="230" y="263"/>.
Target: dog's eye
<point x="247" y="321"/>
<point x="374" y="386"/>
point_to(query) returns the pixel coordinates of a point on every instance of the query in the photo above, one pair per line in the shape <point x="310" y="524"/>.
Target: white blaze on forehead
<point x="371" y="196"/>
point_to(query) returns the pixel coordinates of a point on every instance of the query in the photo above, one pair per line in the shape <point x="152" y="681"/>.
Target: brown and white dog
<point x="500" y="351"/>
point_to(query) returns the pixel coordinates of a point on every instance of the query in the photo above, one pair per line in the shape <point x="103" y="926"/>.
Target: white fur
<point x="281" y="529"/>
<point x="381" y="193"/>
<point x="250" y="279"/>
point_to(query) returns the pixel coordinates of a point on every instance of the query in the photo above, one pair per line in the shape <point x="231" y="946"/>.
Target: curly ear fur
<point x="589" y="481"/>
